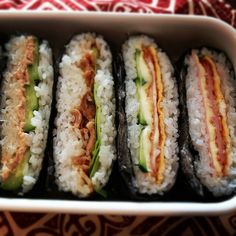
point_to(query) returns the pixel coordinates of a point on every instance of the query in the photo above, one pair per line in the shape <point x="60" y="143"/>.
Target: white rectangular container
<point x="174" y="33"/>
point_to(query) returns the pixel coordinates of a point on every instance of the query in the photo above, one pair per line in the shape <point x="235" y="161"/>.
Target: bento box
<point x="175" y="34"/>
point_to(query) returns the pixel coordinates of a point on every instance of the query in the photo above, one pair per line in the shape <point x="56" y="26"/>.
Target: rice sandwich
<point x="151" y="110"/>
<point x="210" y="107"/>
<point x="84" y="142"/>
<point x="25" y="109"/>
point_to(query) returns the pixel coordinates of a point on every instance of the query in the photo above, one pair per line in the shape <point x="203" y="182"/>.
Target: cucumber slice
<point x="15" y="180"/>
<point x="95" y="159"/>
<point x="144" y="149"/>
<point x="31" y="105"/>
<point x="142" y="81"/>
<point x="31" y="98"/>
<point x="143" y="73"/>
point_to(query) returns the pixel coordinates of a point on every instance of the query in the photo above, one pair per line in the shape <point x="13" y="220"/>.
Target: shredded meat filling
<point x="83" y="162"/>
<point x="83" y="116"/>
<point x="88" y="66"/>
<point x="87" y="106"/>
<point x="76" y="118"/>
<point x="92" y="137"/>
<point x="20" y="76"/>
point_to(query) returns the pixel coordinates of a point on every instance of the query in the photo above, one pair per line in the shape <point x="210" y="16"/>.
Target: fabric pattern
<point x="31" y="224"/>
<point x="215" y="8"/>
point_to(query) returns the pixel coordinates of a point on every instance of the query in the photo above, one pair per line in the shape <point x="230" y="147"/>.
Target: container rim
<point x="118" y="207"/>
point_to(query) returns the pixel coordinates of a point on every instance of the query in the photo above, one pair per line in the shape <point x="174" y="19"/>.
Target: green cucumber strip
<point x="95" y="161"/>
<point x="33" y="72"/>
<point x="139" y="82"/>
<point x="33" y="69"/>
<point x="140" y="79"/>
<point x="95" y="52"/>
<point x="102" y="192"/>
<point x="95" y="157"/>
<point x="98" y="123"/>
<point x="143" y="167"/>
<point x="31" y="105"/>
<point x="142" y="160"/>
<point x="15" y="180"/>
<point x="31" y="98"/>
<point x="141" y="118"/>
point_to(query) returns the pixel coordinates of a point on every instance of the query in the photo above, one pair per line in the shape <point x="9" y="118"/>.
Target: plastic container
<point x="175" y="34"/>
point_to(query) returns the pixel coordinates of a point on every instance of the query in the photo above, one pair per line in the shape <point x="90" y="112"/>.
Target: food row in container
<point x="127" y="109"/>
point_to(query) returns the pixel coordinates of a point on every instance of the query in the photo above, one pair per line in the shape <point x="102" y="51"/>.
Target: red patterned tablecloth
<point x="30" y="224"/>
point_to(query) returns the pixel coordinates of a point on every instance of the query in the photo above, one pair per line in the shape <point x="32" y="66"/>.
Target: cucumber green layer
<point x="32" y="103"/>
<point x="15" y="181"/>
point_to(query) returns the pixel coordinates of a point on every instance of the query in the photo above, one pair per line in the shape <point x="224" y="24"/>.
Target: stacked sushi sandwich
<point x="84" y="142"/>
<point x="208" y="145"/>
<point x="25" y="109"/>
<point x="151" y="114"/>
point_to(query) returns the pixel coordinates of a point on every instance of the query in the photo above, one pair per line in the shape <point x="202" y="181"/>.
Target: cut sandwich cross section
<point x="86" y="116"/>
<point x="218" y="137"/>
<point x="85" y="96"/>
<point x="21" y="103"/>
<point x="151" y="118"/>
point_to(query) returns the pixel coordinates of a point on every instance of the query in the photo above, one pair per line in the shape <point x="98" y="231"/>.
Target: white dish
<point x="174" y="33"/>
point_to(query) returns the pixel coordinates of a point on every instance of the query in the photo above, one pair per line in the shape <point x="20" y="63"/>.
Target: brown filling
<point x="217" y="119"/>
<point x="84" y="114"/>
<point x="21" y="77"/>
<point x="156" y="93"/>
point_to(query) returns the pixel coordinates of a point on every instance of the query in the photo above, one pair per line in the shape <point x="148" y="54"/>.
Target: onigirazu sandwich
<point x="148" y="114"/>
<point x="208" y="141"/>
<point x="26" y="90"/>
<point x="84" y="142"/>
